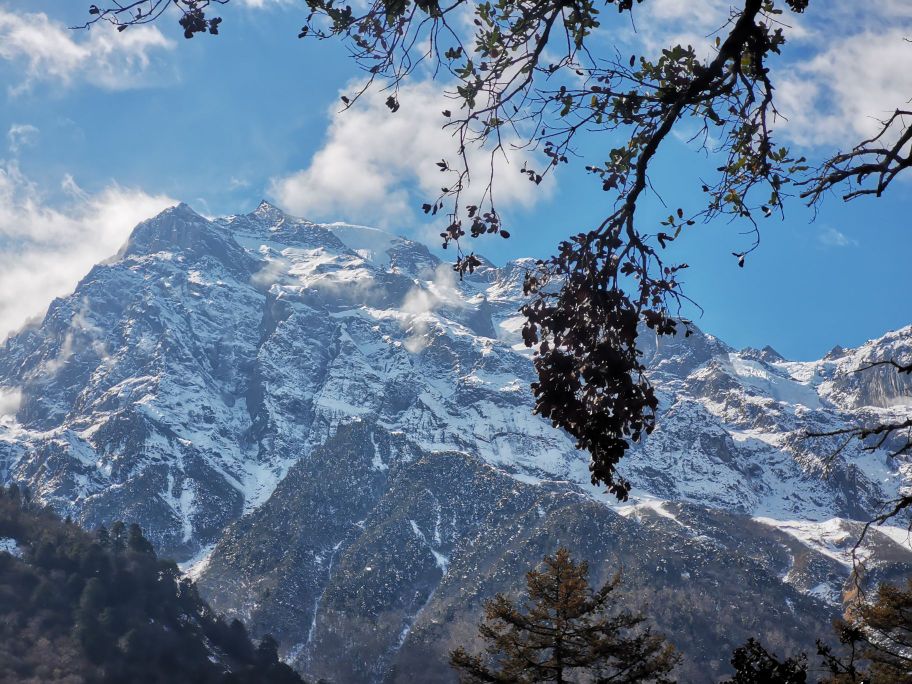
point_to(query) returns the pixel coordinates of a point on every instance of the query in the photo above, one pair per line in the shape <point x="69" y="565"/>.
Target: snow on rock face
<point x="853" y="380"/>
<point x="182" y="379"/>
<point x="182" y="382"/>
<point x="9" y="545"/>
<point x="777" y="385"/>
<point x="211" y="355"/>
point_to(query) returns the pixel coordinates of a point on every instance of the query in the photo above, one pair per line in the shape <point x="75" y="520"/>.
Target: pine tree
<point x="565" y="633"/>
<point x="267" y="651"/>
<point x="88" y="628"/>
<point x="118" y="536"/>
<point x="73" y="609"/>
<point x="136" y="541"/>
<point x="755" y="665"/>
<point x="103" y="537"/>
<point x="887" y="625"/>
<point x="878" y="635"/>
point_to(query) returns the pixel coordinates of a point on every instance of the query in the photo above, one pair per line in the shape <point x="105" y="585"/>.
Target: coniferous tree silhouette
<point x="566" y="632"/>
<point x="755" y="665"/>
<point x="875" y="647"/>
<point x="886" y="625"/>
<point x="876" y="639"/>
<point x="76" y="606"/>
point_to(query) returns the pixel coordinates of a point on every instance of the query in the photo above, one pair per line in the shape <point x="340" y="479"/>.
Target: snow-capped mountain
<point x="336" y="435"/>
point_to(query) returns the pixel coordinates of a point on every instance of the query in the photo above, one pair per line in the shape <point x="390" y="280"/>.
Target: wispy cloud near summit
<point x="47" y="249"/>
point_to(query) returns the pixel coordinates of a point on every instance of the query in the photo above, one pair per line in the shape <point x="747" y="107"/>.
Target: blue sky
<point x="103" y="129"/>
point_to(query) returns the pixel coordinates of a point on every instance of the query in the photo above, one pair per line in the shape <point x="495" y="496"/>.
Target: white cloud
<point x="10" y="398"/>
<point x="82" y="334"/>
<point x="844" y="65"/>
<point x="260" y="4"/>
<point x="100" y="55"/>
<point x="420" y="303"/>
<point x="839" y="95"/>
<point x="20" y="135"/>
<point x="273" y="272"/>
<point x="831" y="237"/>
<point x="371" y="157"/>
<point x="661" y="23"/>
<point x="46" y="250"/>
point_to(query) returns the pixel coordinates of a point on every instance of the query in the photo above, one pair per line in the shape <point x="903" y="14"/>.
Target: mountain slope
<point x="76" y="607"/>
<point x="286" y="404"/>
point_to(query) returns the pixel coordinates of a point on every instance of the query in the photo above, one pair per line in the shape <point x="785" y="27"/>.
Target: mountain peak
<point x="180" y="209"/>
<point x="165" y="226"/>
<point x="268" y="211"/>
<point x="767" y="354"/>
<point x="772" y="353"/>
<point x="835" y="353"/>
<point x="181" y="230"/>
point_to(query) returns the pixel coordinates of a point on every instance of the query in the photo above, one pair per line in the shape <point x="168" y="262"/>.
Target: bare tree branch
<point x="875" y="159"/>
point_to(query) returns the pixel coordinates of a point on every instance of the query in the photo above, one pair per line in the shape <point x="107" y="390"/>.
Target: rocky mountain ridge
<point x="336" y="435"/>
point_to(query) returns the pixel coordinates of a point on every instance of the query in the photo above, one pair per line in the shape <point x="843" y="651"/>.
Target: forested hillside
<point x="81" y="607"/>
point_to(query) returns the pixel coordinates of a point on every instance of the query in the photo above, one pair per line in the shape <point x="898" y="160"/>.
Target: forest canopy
<point x="102" y="607"/>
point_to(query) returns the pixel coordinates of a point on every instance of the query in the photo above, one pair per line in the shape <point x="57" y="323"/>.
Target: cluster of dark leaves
<point x="591" y="379"/>
<point x="195" y="21"/>
<point x="754" y="664"/>
<point x="80" y="607"/>
<point x="193" y="14"/>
